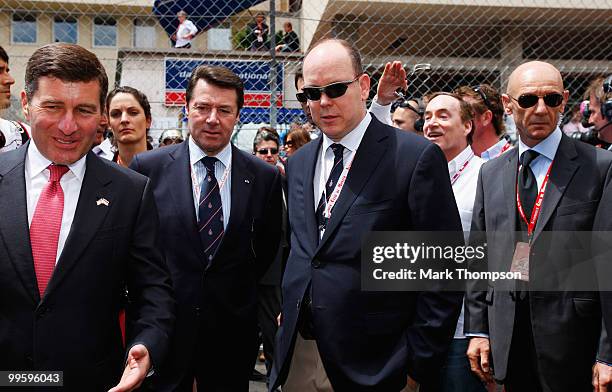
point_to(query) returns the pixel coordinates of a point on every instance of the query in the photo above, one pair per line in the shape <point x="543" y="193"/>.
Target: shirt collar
<point x="196" y="153"/>
<point x="494" y="151"/>
<point x="38" y="163"/>
<point x="351" y="140"/>
<point x="547" y="147"/>
<point x="460" y="160"/>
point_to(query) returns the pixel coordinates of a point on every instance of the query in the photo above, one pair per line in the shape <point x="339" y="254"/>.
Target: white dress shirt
<point x="104" y="150"/>
<point x="37" y="177"/>
<point x="547" y="149"/>
<point x="464" y="189"/>
<point x="184" y="29"/>
<point x="325" y="160"/>
<point x="199" y="171"/>
<point x="494" y="151"/>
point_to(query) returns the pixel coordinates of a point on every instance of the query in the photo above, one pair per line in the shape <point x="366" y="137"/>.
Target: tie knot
<point x="56" y="172"/>
<point x="209" y="163"/>
<point x="528" y="156"/>
<point x="338" y="150"/>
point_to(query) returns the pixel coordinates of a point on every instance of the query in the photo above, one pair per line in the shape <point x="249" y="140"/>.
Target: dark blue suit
<point x="216" y="302"/>
<point x="368" y="340"/>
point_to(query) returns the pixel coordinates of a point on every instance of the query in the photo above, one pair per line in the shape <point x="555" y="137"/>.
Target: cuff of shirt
<point x="605" y="363"/>
<point x="476" y="335"/>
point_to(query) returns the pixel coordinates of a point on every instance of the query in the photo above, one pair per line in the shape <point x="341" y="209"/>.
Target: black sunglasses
<point x="528" y="100"/>
<point x="332" y="90"/>
<point x="265" y="151"/>
<point x="301" y="97"/>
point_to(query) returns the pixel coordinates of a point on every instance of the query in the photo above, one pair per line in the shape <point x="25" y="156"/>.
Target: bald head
<point x="336" y="62"/>
<point x="538" y="87"/>
<point x="534" y="73"/>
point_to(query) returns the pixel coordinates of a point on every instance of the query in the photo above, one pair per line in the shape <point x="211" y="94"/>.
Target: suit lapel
<point x="509" y="174"/>
<point x="180" y="189"/>
<point x="371" y="149"/>
<point x="87" y="218"/>
<point x="242" y="183"/>
<point x="308" y="189"/>
<point x="14" y="227"/>
<point x="563" y="168"/>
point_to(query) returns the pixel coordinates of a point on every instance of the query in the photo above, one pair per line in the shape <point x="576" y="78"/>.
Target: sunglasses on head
<point x="529" y="100"/>
<point x="301" y="97"/>
<point x="266" y="151"/>
<point x="332" y="90"/>
<point x="484" y="97"/>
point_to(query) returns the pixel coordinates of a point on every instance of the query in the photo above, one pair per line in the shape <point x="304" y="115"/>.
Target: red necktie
<point x="45" y="227"/>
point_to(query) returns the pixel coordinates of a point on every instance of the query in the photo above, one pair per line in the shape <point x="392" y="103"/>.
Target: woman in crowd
<point x="296" y="138"/>
<point x="129" y="116"/>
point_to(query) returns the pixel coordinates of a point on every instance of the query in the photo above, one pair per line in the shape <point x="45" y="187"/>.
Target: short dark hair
<point x="265" y="136"/>
<point x="493" y="103"/>
<point x="350" y="48"/>
<point x="217" y="76"/>
<point x="68" y="63"/>
<point x="139" y="95"/>
<point x="3" y="55"/>
<point x="299" y="74"/>
<point x="465" y="109"/>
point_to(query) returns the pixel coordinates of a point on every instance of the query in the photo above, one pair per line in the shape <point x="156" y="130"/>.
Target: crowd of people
<point x="166" y="269"/>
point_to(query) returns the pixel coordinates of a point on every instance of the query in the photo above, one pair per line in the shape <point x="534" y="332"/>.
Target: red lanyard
<point x="456" y="176"/>
<point x="537" y="207"/>
<point x="505" y="148"/>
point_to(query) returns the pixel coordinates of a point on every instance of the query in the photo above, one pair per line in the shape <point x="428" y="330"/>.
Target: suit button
<point x="316" y="263"/>
<point x="42" y="311"/>
<point x="197" y="310"/>
<point x="29" y="361"/>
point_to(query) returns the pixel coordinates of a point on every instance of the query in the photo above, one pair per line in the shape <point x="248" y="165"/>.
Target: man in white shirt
<point x="448" y="123"/>
<point x="12" y="133"/>
<point x="489" y="127"/>
<point x="185" y="32"/>
<point x="76" y="234"/>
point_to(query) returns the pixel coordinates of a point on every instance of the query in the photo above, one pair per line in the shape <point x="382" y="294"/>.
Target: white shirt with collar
<point x="464" y="189"/>
<point x="547" y="149"/>
<point x="325" y="160"/>
<point x="104" y="150"/>
<point x="198" y="170"/>
<point x="37" y="177"/>
<point x="494" y="151"/>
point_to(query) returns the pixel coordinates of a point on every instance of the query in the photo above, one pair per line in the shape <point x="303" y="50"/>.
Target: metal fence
<point x="466" y="42"/>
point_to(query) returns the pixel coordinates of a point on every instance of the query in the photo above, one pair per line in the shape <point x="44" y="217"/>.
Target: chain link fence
<point x="466" y="42"/>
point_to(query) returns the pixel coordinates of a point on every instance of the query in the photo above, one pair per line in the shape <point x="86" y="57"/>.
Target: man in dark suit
<point x="220" y="216"/>
<point x="333" y="334"/>
<point x="541" y="335"/>
<point x="76" y="232"/>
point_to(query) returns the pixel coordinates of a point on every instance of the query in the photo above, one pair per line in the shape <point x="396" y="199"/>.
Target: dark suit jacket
<point x="368" y="340"/>
<point x="566" y="325"/>
<point x="75" y="327"/>
<point x="218" y="302"/>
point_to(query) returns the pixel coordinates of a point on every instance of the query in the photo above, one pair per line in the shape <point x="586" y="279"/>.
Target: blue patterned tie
<point x="210" y="211"/>
<point x="333" y="178"/>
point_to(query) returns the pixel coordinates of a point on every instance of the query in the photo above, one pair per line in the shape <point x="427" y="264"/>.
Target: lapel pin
<point x="247" y="181"/>
<point x="102" y="201"/>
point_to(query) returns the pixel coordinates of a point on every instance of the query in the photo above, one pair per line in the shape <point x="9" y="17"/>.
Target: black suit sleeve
<point x="151" y="309"/>
<point x="433" y="208"/>
<point x="268" y="230"/>
<point x="476" y="311"/>
<point x="602" y="228"/>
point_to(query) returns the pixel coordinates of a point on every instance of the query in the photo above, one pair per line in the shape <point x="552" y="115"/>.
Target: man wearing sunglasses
<point x="530" y="334"/>
<point x="360" y="176"/>
<point x="393" y="78"/>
